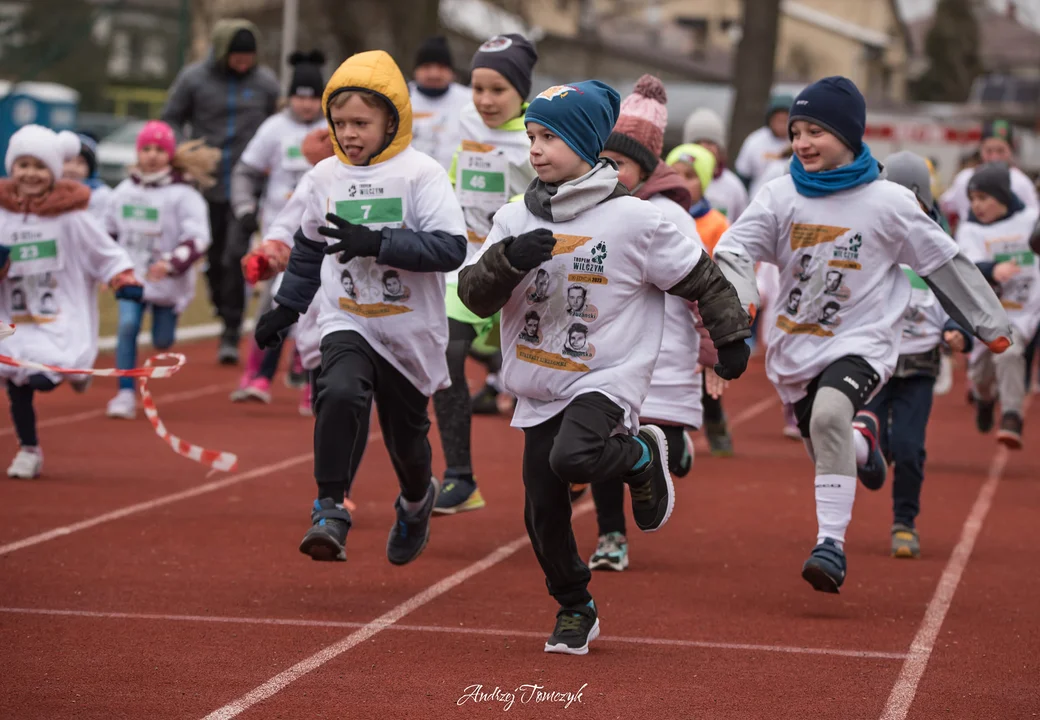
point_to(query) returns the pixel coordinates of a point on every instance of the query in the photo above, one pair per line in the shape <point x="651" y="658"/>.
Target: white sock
<point x="834" y="497"/>
<point x="862" y="447"/>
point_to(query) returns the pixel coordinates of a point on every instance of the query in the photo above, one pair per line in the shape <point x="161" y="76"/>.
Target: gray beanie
<point x="704" y="124"/>
<point x="911" y="171"/>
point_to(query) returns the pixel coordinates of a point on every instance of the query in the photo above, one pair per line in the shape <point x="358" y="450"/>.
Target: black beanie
<point x="994" y="179"/>
<point x="510" y="55"/>
<point x="434" y="50"/>
<point x="998" y="129"/>
<point x="242" y="41"/>
<point x="306" y="77"/>
<point x="835" y="104"/>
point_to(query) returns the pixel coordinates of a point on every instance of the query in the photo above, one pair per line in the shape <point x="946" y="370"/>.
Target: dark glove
<point x="273" y="325"/>
<point x="531" y="249"/>
<point x="248" y="224"/>
<point x="130" y="292"/>
<point x="354" y="240"/>
<point x="733" y="357"/>
<point x="5" y="254"/>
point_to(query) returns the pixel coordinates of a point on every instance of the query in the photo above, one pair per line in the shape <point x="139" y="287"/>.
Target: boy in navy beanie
<point x="839" y="237"/>
<point x="579" y="271"/>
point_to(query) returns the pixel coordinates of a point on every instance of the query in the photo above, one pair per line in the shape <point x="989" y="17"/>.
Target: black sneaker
<point x="1010" y="433"/>
<point x="825" y="568"/>
<point x="227" y="353"/>
<point x="576" y="627"/>
<point x="984" y="414"/>
<point x="410" y="533"/>
<point x="485" y="402"/>
<point x="327" y="538"/>
<point x="653" y="495"/>
<point x="682" y="465"/>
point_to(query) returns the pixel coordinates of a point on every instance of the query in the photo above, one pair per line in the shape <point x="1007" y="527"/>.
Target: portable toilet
<point x="48" y="104"/>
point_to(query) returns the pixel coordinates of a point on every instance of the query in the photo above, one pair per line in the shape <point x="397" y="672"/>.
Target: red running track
<point x="132" y="586"/>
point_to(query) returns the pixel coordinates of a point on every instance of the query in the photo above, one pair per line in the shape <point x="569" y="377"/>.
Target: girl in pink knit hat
<point x="674" y="401"/>
<point x="159" y="216"/>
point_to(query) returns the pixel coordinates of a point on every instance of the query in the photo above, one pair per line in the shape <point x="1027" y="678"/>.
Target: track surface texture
<point x="134" y="586"/>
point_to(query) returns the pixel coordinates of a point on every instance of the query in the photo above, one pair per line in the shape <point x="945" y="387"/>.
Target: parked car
<point x="117" y="152"/>
<point x="99" y="125"/>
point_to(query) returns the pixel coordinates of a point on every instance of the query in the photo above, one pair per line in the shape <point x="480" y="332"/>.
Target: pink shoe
<point x="256" y="356"/>
<point x="259" y="389"/>
<point x="305" y="401"/>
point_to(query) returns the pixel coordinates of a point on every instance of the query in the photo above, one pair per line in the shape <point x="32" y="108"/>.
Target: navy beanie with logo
<point x="582" y="115"/>
<point x="835" y="104"/>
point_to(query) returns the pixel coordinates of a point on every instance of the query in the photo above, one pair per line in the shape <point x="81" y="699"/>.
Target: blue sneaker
<point x="873" y="474"/>
<point x="825" y="568"/>
<point x="611" y="553"/>
<point x="576" y="627"/>
<point x="460" y="494"/>
<point x="410" y="533"/>
<point x="327" y="538"/>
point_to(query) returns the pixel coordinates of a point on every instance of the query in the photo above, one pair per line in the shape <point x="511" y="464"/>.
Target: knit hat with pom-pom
<point x="639" y="131"/>
<point x="47" y="146"/>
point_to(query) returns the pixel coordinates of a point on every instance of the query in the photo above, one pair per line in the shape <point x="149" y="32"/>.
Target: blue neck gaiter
<point x="864" y="169"/>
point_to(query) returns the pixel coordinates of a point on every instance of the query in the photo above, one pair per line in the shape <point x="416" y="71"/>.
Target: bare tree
<point x="397" y="26"/>
<point x="753" y="69"/>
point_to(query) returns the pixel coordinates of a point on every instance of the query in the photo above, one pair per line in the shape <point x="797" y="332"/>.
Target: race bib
<point x="293" y="159"/>
<point x="920" y="294"/>
<point x="34" y="250"/>
<point x="480" y="180"/>
<point x="140" y="237"/>
<point x="1015" y="293"/>
<point x="377" y="205"/>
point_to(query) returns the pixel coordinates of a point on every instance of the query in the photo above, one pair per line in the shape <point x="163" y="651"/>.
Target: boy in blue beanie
<point x="839" y="234"/>
<point x="581" y="373"/>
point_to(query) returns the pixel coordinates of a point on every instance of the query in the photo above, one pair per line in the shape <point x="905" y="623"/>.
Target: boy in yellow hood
<point x="384" y="215"/>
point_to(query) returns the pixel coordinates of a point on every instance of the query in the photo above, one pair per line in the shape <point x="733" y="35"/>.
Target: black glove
<point x="531" y="249"/>
<point x="130" y="292"/>
<point x="273" y="325"/>
<point x="354" y="240"/>
<point x="733" y="357"/>
<point x="248" y="224"/>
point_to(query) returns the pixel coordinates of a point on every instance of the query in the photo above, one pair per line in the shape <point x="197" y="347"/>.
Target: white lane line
<point x="384" y="621"/>
<point x="491" y="632"/>
<point x="160" y="400"/>
<point x="903" y="692"/>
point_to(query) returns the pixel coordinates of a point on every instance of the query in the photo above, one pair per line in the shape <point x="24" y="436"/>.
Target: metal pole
<point x="290" y="15"/>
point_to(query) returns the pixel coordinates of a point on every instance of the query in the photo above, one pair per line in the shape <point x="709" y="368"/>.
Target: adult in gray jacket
<point x="223" y="99"/>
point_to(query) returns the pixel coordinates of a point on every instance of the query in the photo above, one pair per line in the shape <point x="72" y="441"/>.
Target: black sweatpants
<point x="574" y="447"/>
<point x="23" y="414"/>
<point x="352" y="376"/>
<point x="452" y="404"/>
<point x="609" y="494"/>
<point x="227" y="285"/>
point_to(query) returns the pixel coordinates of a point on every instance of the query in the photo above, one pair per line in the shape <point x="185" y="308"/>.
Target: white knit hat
<point x="49" y="147"/>
<point x="704" y="124"/>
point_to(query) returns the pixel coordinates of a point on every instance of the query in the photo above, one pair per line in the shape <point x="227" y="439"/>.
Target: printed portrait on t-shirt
<point x="531" y="332"/>
<point x="577" y="344"/>
<point x="794" y="299"/>
<point x="804" y="270"/>
<point x="834" y="285"/>
<point x="578" y="304"/>
<point x="829" y="316"/>
<point x="47" y="304"/>
<point x="539" y="292"/>
<point x="18" y="300"/>
<point x="393" y="289"/>
<point x="348" y="284"/>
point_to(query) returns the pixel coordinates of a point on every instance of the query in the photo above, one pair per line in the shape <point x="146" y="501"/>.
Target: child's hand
<point x="266" y="261"/>
<point x="1002" y="272"/>
<point x="159" y="270"/>
<point x="127" y="286"/>
<point x="354" y="240"/>
<point x="954" y="339"/>
<point x="530" y="249"/>
<point x="713" y="384"/>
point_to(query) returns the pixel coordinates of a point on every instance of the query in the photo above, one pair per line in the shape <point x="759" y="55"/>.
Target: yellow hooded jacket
<point x="375" y="72"/>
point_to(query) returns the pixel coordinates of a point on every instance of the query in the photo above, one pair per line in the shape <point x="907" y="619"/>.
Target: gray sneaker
<point x="227" y="353"/>
<point x="905" y="542"/>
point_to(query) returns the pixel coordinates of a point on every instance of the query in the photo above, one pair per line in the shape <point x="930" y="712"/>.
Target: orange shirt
<point x="710" y="227"/>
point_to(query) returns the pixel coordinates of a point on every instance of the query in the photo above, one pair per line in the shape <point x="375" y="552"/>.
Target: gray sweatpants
<point x="1002" y="376"/>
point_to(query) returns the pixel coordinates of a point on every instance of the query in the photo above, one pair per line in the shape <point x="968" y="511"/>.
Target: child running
<point x="580" y="371"/>
<point x="53" y="252"/>
<point x="84" y="168"/>
<point x="159" y="216"/>
<point x="490" y="167"/>
<point x="674" y="400"/>
<point x="274" y="162"/>
<point x="726" y="193"/>
<point x="996" y="236"/>
<point x="903" y="405"/>
<point x="394" y="229"/>
<point x="839" y="235"/>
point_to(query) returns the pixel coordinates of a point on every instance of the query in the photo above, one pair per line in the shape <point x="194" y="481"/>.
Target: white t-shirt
<point x="591" y="318"/>
<point x="675" y="387"/>
<point x="275" y="150"/>
<point x="435" y="122"/>
<point x="955" y="200"/>
<point x="772" y="170"/>
<point x="727" y="195"/>
<point x="1008" y="239"/>
<point x="491" y="166"/>
<point x="923" y="319"/>
<point x="760" y="147"/>
<point x="842" y="291"/>
<point x="152" y="221"/>
<point x="50" y="291"/>
<point x="399" y="313"/>
<point x="100" y="197"/>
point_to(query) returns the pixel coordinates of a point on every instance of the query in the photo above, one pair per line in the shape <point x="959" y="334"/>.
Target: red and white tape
<point x="225" y="461"/>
